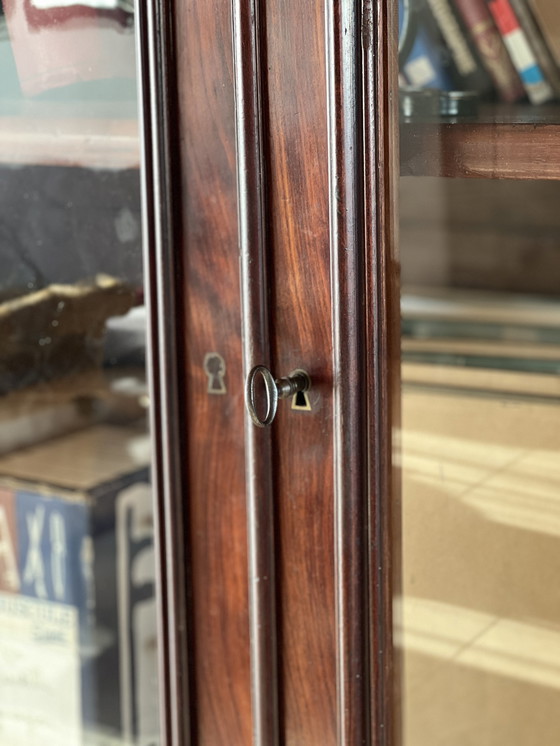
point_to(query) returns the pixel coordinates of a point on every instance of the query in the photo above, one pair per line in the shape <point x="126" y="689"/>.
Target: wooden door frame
<point x="363" y="171"/>
<point x="162" y="226"/>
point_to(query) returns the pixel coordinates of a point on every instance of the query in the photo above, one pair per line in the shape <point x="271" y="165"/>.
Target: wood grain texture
<point x="297" y="160"/>
<point x="329" y="518"/>
<point x="250" y="97"/>
<point x="331" y="465"/>
<point x="347" y="234"/>
<point x="382" y="294"/>
<point x="215" y="454"/>
<point x="481" y="150"/>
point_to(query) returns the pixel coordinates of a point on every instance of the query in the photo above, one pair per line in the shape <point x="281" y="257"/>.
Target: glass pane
<point x="77" y="575"/>
<point x="479" y="616"/>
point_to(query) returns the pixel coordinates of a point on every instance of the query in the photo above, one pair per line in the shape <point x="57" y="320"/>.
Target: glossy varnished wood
<point x="250" y="86"/>
<point x="317" y="259"/>
<point x="164" y="296"/>
<point x="347" y="232"/>
<point x="489" y="150"/>
<point x="382" y="298"/>
<point x="299" y="287"/>
<point x="312" y="180"/>
<point x="212" y="322"/>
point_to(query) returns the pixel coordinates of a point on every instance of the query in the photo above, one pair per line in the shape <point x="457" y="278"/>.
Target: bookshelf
<point x="504" y="142"/>
<point x="479" y="261"/>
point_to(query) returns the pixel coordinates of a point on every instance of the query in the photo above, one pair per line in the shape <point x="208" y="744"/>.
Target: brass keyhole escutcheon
<point x="273" y="389"/>
<point x="215" y="369"/>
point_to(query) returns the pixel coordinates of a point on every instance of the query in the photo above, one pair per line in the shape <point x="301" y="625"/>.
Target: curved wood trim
<point x="346" y="196"/>
<point x="381" y="169"/>
<point x="363" y="168"/>
<point x="251" y="182"/>
<point x="161" y="228"/>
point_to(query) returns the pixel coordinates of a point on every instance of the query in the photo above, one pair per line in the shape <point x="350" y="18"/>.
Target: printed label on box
<point x="40" y="700"/>
<point x="52" y="535"/>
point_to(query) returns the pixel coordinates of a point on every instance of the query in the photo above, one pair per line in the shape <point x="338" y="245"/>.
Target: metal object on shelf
<point x="458" y="103"/>
<point x="419" y="103"/>
<point x="430" y="103"/>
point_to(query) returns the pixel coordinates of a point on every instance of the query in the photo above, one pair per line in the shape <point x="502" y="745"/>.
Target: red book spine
<point x="491" y="48"/>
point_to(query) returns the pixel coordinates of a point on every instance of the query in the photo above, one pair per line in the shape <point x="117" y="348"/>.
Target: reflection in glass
<point x="479" y="616"/>
<point x="77" y="575"/>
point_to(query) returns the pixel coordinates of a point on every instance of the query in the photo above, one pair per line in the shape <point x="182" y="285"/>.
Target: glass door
<point x="77" y="573"/>
<point x="479" y="616"/>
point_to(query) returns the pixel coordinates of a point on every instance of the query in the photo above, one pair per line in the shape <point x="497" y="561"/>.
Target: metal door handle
<point x="275" y="388"/>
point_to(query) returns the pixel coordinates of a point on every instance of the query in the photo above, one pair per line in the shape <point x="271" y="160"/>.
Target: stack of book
<point x="507" y="50"/>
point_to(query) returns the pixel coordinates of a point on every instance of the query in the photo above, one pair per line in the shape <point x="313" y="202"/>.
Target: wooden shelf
<point x="503" y="143"/>
<point x="42" y="135"/>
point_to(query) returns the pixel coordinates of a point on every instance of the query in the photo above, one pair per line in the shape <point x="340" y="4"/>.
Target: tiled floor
<point x="481" y="537"/>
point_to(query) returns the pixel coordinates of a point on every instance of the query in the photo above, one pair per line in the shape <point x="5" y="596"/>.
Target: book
<point x="536" y="39"/>
<point x="492" y="50"/>
<point x="521" y="52"/>
<point x="424" y="66"/>
<point x="548" y="18"/>
<point x="470" y="73"/>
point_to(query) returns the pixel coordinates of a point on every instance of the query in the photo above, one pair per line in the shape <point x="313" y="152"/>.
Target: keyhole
<point x="300" y="402"/>
<point x="215" y="369"/>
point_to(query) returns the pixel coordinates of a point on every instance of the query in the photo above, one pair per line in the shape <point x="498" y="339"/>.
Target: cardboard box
<point x="77" y="608"/>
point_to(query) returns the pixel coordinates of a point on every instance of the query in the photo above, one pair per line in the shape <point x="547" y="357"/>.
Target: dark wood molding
<point x="250" y="82"/>
<point x="301" y="337"/>
<point x="214" y="448"/>
<point x="332" y="546"/>
<point x="382" y="293"/>
<point x="162" y="227"/>
<point x="347" y="221"/>
<point x="364" y="169"/>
